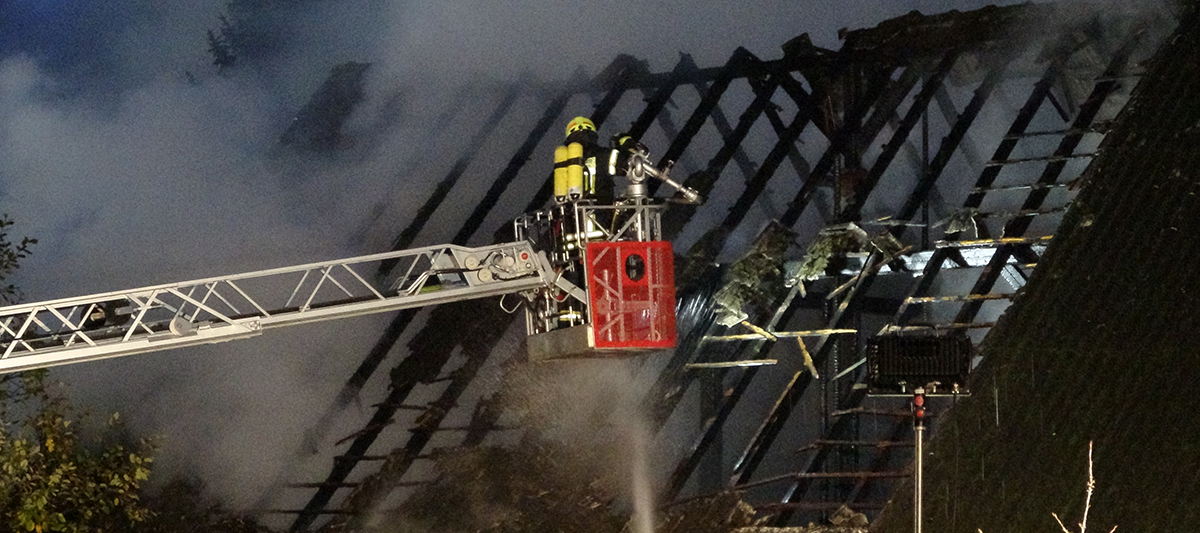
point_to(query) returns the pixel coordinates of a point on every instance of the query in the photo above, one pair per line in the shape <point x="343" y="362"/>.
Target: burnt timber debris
<point x="947" y="141"/>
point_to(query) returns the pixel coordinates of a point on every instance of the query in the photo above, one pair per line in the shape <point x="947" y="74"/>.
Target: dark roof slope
<point x="1104" y="345"/>
<point x="916" y="33"/>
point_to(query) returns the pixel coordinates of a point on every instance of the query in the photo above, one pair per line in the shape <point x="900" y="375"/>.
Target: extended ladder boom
<point x="220" y="309"/>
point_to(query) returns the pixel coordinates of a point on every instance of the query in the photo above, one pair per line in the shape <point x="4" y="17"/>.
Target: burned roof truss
<point x="886" y="133"/>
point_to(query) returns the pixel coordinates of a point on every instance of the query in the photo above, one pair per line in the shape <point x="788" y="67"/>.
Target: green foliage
<point x="221" y="51"/>
<point x="754" y="277"/>
<point x="249" y="31"/>
<point x="54" y="479"/>
<point x="961" y="219"/>
<point x="829" y="244"/>
<point x="10" y="253"/>
<point x="50" y="480"/>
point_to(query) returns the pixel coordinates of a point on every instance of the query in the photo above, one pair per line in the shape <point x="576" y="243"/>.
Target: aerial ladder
<point x="595" y="281"/>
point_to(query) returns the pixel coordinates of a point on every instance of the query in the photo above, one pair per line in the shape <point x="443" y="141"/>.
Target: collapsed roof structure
<point x="915" y="178"/>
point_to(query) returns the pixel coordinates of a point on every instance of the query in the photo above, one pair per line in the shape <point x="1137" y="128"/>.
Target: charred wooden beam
<point x="1040" y="159"/>
<point x="301" y="512"/>
<point x="477" y="345"/>
<point x="1088" y="111"/>
<point x="799" y="488"/>
<point x="1101" y="91"/>
<point x="406" y="237"/>
<point x="628" y="69"/>
<point x="801" y="97"/>
<point x="320" y="485"/>
<point x="522" y="156"/>
<point x="715" y="421"/>
<point x="948" y="147"/>
<point x="656" y="102"/>
<point x="933" y="82"/>
<point x="704" y="109"/>
<point x="822" y="443"/>
<point x="846" y="138"/>
<point x="756" y="185"/>
<point x="817" y="506"/>
<point x="1020" y="123"/>
<point x="769" y="430"/>
<point x="957" y="298"/>
<point x="674" y="387"/>
<point x="824" y="475"/>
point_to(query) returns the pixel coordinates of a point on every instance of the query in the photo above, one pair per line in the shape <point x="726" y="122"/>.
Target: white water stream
<point x="642" y="491"/>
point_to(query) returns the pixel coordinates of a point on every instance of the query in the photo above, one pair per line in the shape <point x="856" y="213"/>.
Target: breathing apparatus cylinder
<point x="574" y="170"/>
<point x="560" y="174"/>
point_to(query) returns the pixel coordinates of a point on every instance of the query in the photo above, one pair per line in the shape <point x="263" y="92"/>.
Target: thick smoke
<point x="134" y="162"/>
<point x="160" y="171"/>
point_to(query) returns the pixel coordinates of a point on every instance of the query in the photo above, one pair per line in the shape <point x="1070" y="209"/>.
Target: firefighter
<point x="584" y="169"/>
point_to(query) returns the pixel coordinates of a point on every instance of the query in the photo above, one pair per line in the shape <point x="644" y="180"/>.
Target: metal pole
<point x="925" y="175"/>
<point x="919" y="429"/>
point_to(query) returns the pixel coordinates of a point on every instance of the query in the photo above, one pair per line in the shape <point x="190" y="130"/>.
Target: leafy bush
<point x="10" y="254"/>
<point x="50" y="480"/>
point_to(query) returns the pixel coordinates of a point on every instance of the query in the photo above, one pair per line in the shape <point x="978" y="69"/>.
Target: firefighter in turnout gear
<point x="583" y="175"/>
<point x="584" y="169"/>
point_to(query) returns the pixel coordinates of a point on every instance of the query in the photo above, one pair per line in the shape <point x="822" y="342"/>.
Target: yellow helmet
<point x="580" y="123"/>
